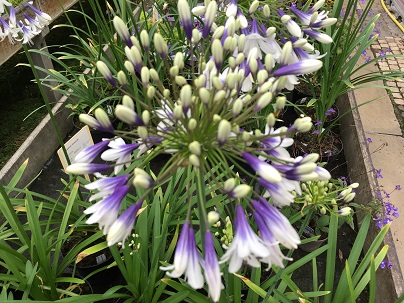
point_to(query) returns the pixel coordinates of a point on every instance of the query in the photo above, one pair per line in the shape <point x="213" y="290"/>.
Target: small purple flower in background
<point x="382" y="53"/>
<point x="379" y="195"/>
<point x="316" y="132"/>
<point x="330" y="111"/>
<point x="368" y="59"/>
<point x="386" y="263"/>
<point x="398" y="187"/>
<point x="364" y="53"/>
<point x="379" y="173"/>
<point x="319" y="122"/>
<point x="369" y="140"/>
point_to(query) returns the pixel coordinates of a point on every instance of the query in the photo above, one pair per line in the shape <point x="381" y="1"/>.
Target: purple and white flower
<point x="123" y="226"/>
<point x="246" y="245"/>
<point x="186" y="259"/>
<point x="211" y="268"/>
<point x="120" y="152"/>
<point x="106" y="211"/>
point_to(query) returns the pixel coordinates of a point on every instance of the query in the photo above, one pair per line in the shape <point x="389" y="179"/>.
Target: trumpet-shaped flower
<point x="90" y="153"/>
<point x="246" y="245"/>
<point x="276" y="256"/>
<point x="123" y="226"/>
<point x="212" y="269"/>
<point x="106" y="185"/>
<point x="106" y="211"/>
<point x="277" y="223"/>
<point x="186" y="259"/>
<point x="120" y="152"/>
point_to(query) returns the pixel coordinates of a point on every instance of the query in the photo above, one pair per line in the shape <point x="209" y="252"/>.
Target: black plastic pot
<point x="308" y="232"/>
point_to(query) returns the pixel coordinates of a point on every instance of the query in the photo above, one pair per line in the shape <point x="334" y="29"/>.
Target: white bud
<point x="179" y="60"/>
<point x="217" y="34"/>
<point x="129" y="67"/>
<point x="240" y="191"/>
<point x="219" y="96"/>
<point x="204" y="94"/>
<point x="271" y="120"/>
<point x="192" y="124"/>
<point x="280" y="103"/>
<point x="262" y="76"/>
<point x="229" y="184"/>
<point x="142" y="132"/>
<point x="354" y="185"/>
<point x="241" y="42"/>
<point x="195" y="148"/>
<point x="264" y="100"/>
<point x="144" y="39"/>
<point x="146" y="116"/>
<point x="180" y="80"/>
<point x="267" y="11"/>
<point x="253" y="7"/>
<point x="213" y="217"/>
<point x="223" y="131"/>
<point x="128" y="102"/>
<point x="345" y="211"/>
<point x="185" y="95"/>
<point x="194" y="160"/>
<point x="196" y="35"/>
<point x="145" y="75"/>
<point x="151" y="91"/>
<point x="199" y="10"/>
<point x="178" y="112"/>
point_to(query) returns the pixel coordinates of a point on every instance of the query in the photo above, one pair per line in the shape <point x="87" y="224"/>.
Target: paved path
<point x="382" y="122"/>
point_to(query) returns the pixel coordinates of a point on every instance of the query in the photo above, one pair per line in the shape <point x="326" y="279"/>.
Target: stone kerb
<point x="390" y="282"/>
<point x="38" y="147"/>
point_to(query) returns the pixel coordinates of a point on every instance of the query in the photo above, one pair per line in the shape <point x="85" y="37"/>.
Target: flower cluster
<point x="21" y="30"/>
<point x="223" y="80"/>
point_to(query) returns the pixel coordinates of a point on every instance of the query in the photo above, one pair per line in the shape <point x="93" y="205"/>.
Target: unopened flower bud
<point x="194" y="160"/>
<point x="229" y="184"/>
<point x="262" y="76"/>
<point x="144" y="39"/>
<point x="204" y="95"/>
<point x="178" y="112"/>
<point x="145" y="75"/>
<point x="143" y="181"/>
<point x="217" y="34"/>
<point x="129" y="67"/>
<point x="263" y="101"/>
<point x="122" y="30"/>
<point x="180" y="80"/>
<point x="345" y="211"/>
<point x="146" y="117"/>
<point x="240" y="191"/>
<point x="223" y="131"/>
<point x="128" y="102"/>
<point x="185" y="95"/>
<point x="216" y="118"/>
<point x="192" y="124"/>
<point x="286" y="52"/>
<point x="349" y="197"/>
<point x="217" y="53"/>
<point x="267" y="11"/>
<point x="323" y="211"/>
<point x="240" y="58"/>
<point x="154" y="75"/>
<point x="151" y="91"/>
<point x="105" y="72"/>
<point x="160" y="45"/>
<point x="280" y="103"/>
<point x="271" y="120"/>
<point x="195" y="148"/>
<point x="213" y="217"/>
<point x="219" y="96"/>
<point x="253" y="7"/>
<point x="179" y="60"/>
<point x="237" y="107"/>
<point x="354" y="185"/>
<point x="174" y="70"/>
<point x="166" y="93"/>
<point x="102" y="117"/>
<point x="199" y="10"/>
<point x="142" y="132"/>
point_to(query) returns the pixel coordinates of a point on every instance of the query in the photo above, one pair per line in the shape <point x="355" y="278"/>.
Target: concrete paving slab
<point x="387" y="153"/>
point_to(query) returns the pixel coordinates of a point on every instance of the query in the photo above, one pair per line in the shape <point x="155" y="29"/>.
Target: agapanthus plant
<point x="201" y="116"/>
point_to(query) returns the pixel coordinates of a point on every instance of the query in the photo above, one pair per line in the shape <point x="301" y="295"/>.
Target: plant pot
<point x="308" y="232"/>
<point x="310" y="111"/>
<point x="87" y="264"/>
<point x="329" y="148"/>
<point x="79" y="289"/>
